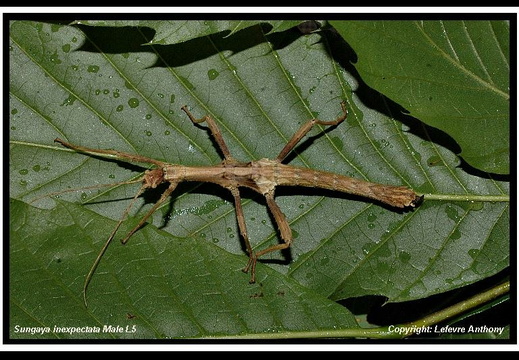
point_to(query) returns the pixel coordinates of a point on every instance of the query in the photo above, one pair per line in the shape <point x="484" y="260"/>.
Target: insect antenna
<point x="108" y="241"/>
<point x="99" y="186"/>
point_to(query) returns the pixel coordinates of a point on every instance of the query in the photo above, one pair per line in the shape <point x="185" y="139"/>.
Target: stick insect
<point x="262" y="176"/>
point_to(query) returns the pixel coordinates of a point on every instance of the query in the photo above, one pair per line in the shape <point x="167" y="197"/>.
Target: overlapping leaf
<point x="158" y="286"/>
<point x="185" y="279"/>
<point x="453" y="75"/>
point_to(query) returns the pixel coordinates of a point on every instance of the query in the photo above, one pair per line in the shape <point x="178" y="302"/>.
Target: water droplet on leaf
<point x="55" y="58"/>
<point x="212" y="74"/>
<point x="93" y="68"/>
<point x="133" y="102"/>
<point x="473" y="253"/>
<point x="404" y="256"/>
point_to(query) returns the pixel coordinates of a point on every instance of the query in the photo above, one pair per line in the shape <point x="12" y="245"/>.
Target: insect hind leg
<point x="303" y="130"/>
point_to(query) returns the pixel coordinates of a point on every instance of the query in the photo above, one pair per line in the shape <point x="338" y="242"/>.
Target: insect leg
<point x="166" y="193"/>
<point x="241" y="224"/>
<point x="215" y="131"/>
<point x="284" y="229"/>
<point x="303" y="130"/>
<point x="111" y="154"/>
<point x="163" y="198"/>
<point x="108" y="241"/>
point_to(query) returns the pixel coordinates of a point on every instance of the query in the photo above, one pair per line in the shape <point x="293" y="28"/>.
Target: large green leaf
<point x="453" y="75"/>
<point x="180" y="276"/>
<point x="158" y="286"/>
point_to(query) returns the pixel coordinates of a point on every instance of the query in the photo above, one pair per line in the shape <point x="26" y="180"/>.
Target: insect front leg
<point x="108" y="241"/>
<point x="163" y="198"/>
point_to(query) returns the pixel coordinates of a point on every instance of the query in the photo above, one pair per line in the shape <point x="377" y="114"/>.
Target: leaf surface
<point x="157" y="286"/>
<point x="180" y="275"/>
<point x="453" y="75"/>
<point x="176" y="31"/>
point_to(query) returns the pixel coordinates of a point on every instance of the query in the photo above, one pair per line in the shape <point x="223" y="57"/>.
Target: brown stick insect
<point x="262" y="176"/>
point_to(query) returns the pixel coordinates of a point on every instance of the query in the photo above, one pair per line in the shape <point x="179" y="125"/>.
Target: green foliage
<point x="122" y="87"/>
<point x="453" y="75"/>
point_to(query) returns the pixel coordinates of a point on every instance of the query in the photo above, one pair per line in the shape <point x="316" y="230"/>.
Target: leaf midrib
<point x="462" y="68"/>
